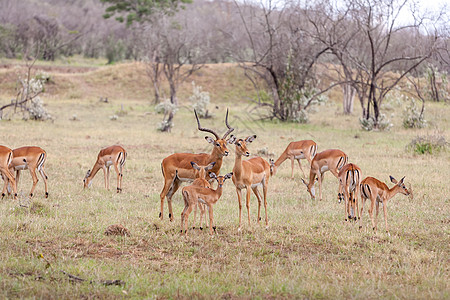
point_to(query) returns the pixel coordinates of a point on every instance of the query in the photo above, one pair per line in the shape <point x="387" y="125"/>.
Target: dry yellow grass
<point x="307" y="252"/>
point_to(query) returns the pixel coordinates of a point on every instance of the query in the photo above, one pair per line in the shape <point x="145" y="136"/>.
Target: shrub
<point x="37" y="111"/>
<point x="428" y="144"/>
<point x="413" y="117"/>
<point x="165" y="107"/>
<point x="200" y="101"/>
<point x="384" y="124"/>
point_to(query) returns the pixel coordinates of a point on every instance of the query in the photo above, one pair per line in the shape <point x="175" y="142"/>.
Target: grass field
<point x="307" y="251"/>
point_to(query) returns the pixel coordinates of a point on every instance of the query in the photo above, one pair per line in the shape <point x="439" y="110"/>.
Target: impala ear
<point x="229" y="175"/>
<point x="393" y="180"/>
<point x="195" y="166"/>
<point x="401" y="180"/>
<point x="250" y="138"/>
<point x="210" y="166"/>
<point x="304" y="182"/>
<point x="231" y="140"/>
<point x="88" y="173"/>
<point x="212" y="175"/>
<point x="210" y="139"/>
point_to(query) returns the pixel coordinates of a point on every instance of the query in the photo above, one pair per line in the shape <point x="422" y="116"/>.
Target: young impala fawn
<point x="200" y="180"/>
<point x="193" y="194"/>
<point x="378" y="192"/>
<point x="250" y="174"/>
<point x="349" y="179"/>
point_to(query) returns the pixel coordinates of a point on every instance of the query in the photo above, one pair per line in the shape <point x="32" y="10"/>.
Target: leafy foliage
<point x="139" y="11"/>
<point x="200" y="101"/>
<point x="428" y="144"/>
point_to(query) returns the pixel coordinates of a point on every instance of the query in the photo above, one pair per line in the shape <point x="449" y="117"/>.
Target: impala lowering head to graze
<point x="378" y="192"/>
<point x="110" y="156"/>
<point x="31" y="158"/>
<point x="305" y="149"/>
<point x="250" y="174"/>
<point x="177" y="167"/>
<point x="349" y="180"/>
<point x="6" y="157"/>
<point x="329" y="160"/>
<point x="194" y="194"/>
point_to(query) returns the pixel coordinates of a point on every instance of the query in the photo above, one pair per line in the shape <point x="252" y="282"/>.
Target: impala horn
<point x="230" y="129"/>
<point x="205" y="129"/>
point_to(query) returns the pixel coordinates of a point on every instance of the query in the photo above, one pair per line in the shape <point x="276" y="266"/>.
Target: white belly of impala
<point x="185" y="179"/>
<point x="201" y="200"/>
<point x="21" y="167"/>
<point x="301" y="156"/>
<point x="108" y="163"/>
<point x="324" y="168"/>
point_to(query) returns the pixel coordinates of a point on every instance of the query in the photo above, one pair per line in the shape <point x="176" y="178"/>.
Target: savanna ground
<point x="307" y="252"/>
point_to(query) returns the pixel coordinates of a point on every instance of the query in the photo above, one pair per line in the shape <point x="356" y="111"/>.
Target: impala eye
<point x="217" y="144"/>
<point x="238" y="144"/>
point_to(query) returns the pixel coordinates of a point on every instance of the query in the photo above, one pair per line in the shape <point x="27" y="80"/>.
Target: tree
<point x="140" y="11"/>
<point x="280" y="51"/>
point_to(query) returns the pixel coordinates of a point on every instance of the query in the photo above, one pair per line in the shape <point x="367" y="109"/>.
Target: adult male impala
<point x="6" y="156"/>
<point x="250" y="174"/>
<point x="177" y="167"/>
<point x="194" y="194"/>
<point x="305" y="149"/>
<point x="378" y="192"/>
<point x="31" y="158"/>
<point x="329" y="160"/>
<point x="349" y="180"/>
<point x="110" y="156"/>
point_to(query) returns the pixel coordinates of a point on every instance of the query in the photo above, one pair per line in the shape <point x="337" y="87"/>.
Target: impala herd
<point x="202" y="169"/>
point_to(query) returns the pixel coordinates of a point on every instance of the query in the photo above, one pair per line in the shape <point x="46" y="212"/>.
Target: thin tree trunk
<point x="349" y="96"/>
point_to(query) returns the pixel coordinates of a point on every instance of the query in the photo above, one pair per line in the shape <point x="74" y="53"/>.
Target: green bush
<point x="428" y="144"/>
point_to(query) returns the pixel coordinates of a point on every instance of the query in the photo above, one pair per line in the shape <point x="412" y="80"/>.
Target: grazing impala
<point x="6" y="156"/>
<point x="378" y="192"/>
<point x="305" y="149"/>
<point x="349" y="180"/>
<point x="200" y="180"/>
<point x="31" y="158"/>
<point x="110" y="156"/>
<point x="193" y="195"/>
<point x="329" y="160"/>
<point x="250" y="174"/>
<point x="177" y="168"/>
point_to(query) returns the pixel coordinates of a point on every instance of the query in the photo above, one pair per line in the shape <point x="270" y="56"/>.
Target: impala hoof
<point x="3" y="195"/>
<point x="201" y="228"/>
<point x="214" y="228"/>
<point x="31" y="195"/>
<point x="46" y="194"/>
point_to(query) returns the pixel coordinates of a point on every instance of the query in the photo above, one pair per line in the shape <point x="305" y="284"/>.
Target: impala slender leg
<point x="372" y="206"/>
<point x="247" y="203"/>
<point x="105" y="170"/>
<point x="238" y="191"/>
<point x="265" y="200"/>
<point x="116" y="167"/>
<point x="211" y="219"/>
<point x="320" y="177"/>
<point x="44" y="177"/>
<point x="9" y="176"/>
<point x="301" y="169"/>
<point x="258" y="196"/>
<point x="35" y="180"/>
<point x="376" y="215"/>
<point x="292" y="167"/>
<point x="385" y="217"/>
<point x="186" y="218"/>
<point x="346" y="203"/>
<point x="163" y="195"/>
<point x="175" y="187"/>
<point x="202" y="213"/>
<point x="17" y="177"/>
<point x="363" y="201"/>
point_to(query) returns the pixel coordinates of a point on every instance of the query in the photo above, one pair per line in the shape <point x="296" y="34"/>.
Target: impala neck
<point x="281" y="159"/>
<point x="217" y="193"/>
<point x="217" y="157"/>
<point x="312" y="177"/>
<point x="94" y="171"/>
<point x="392" y="192"/>
<point x="237" y="170"/>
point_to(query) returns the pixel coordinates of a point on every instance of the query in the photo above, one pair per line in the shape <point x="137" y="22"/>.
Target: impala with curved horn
<point x="177" y="167"/>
